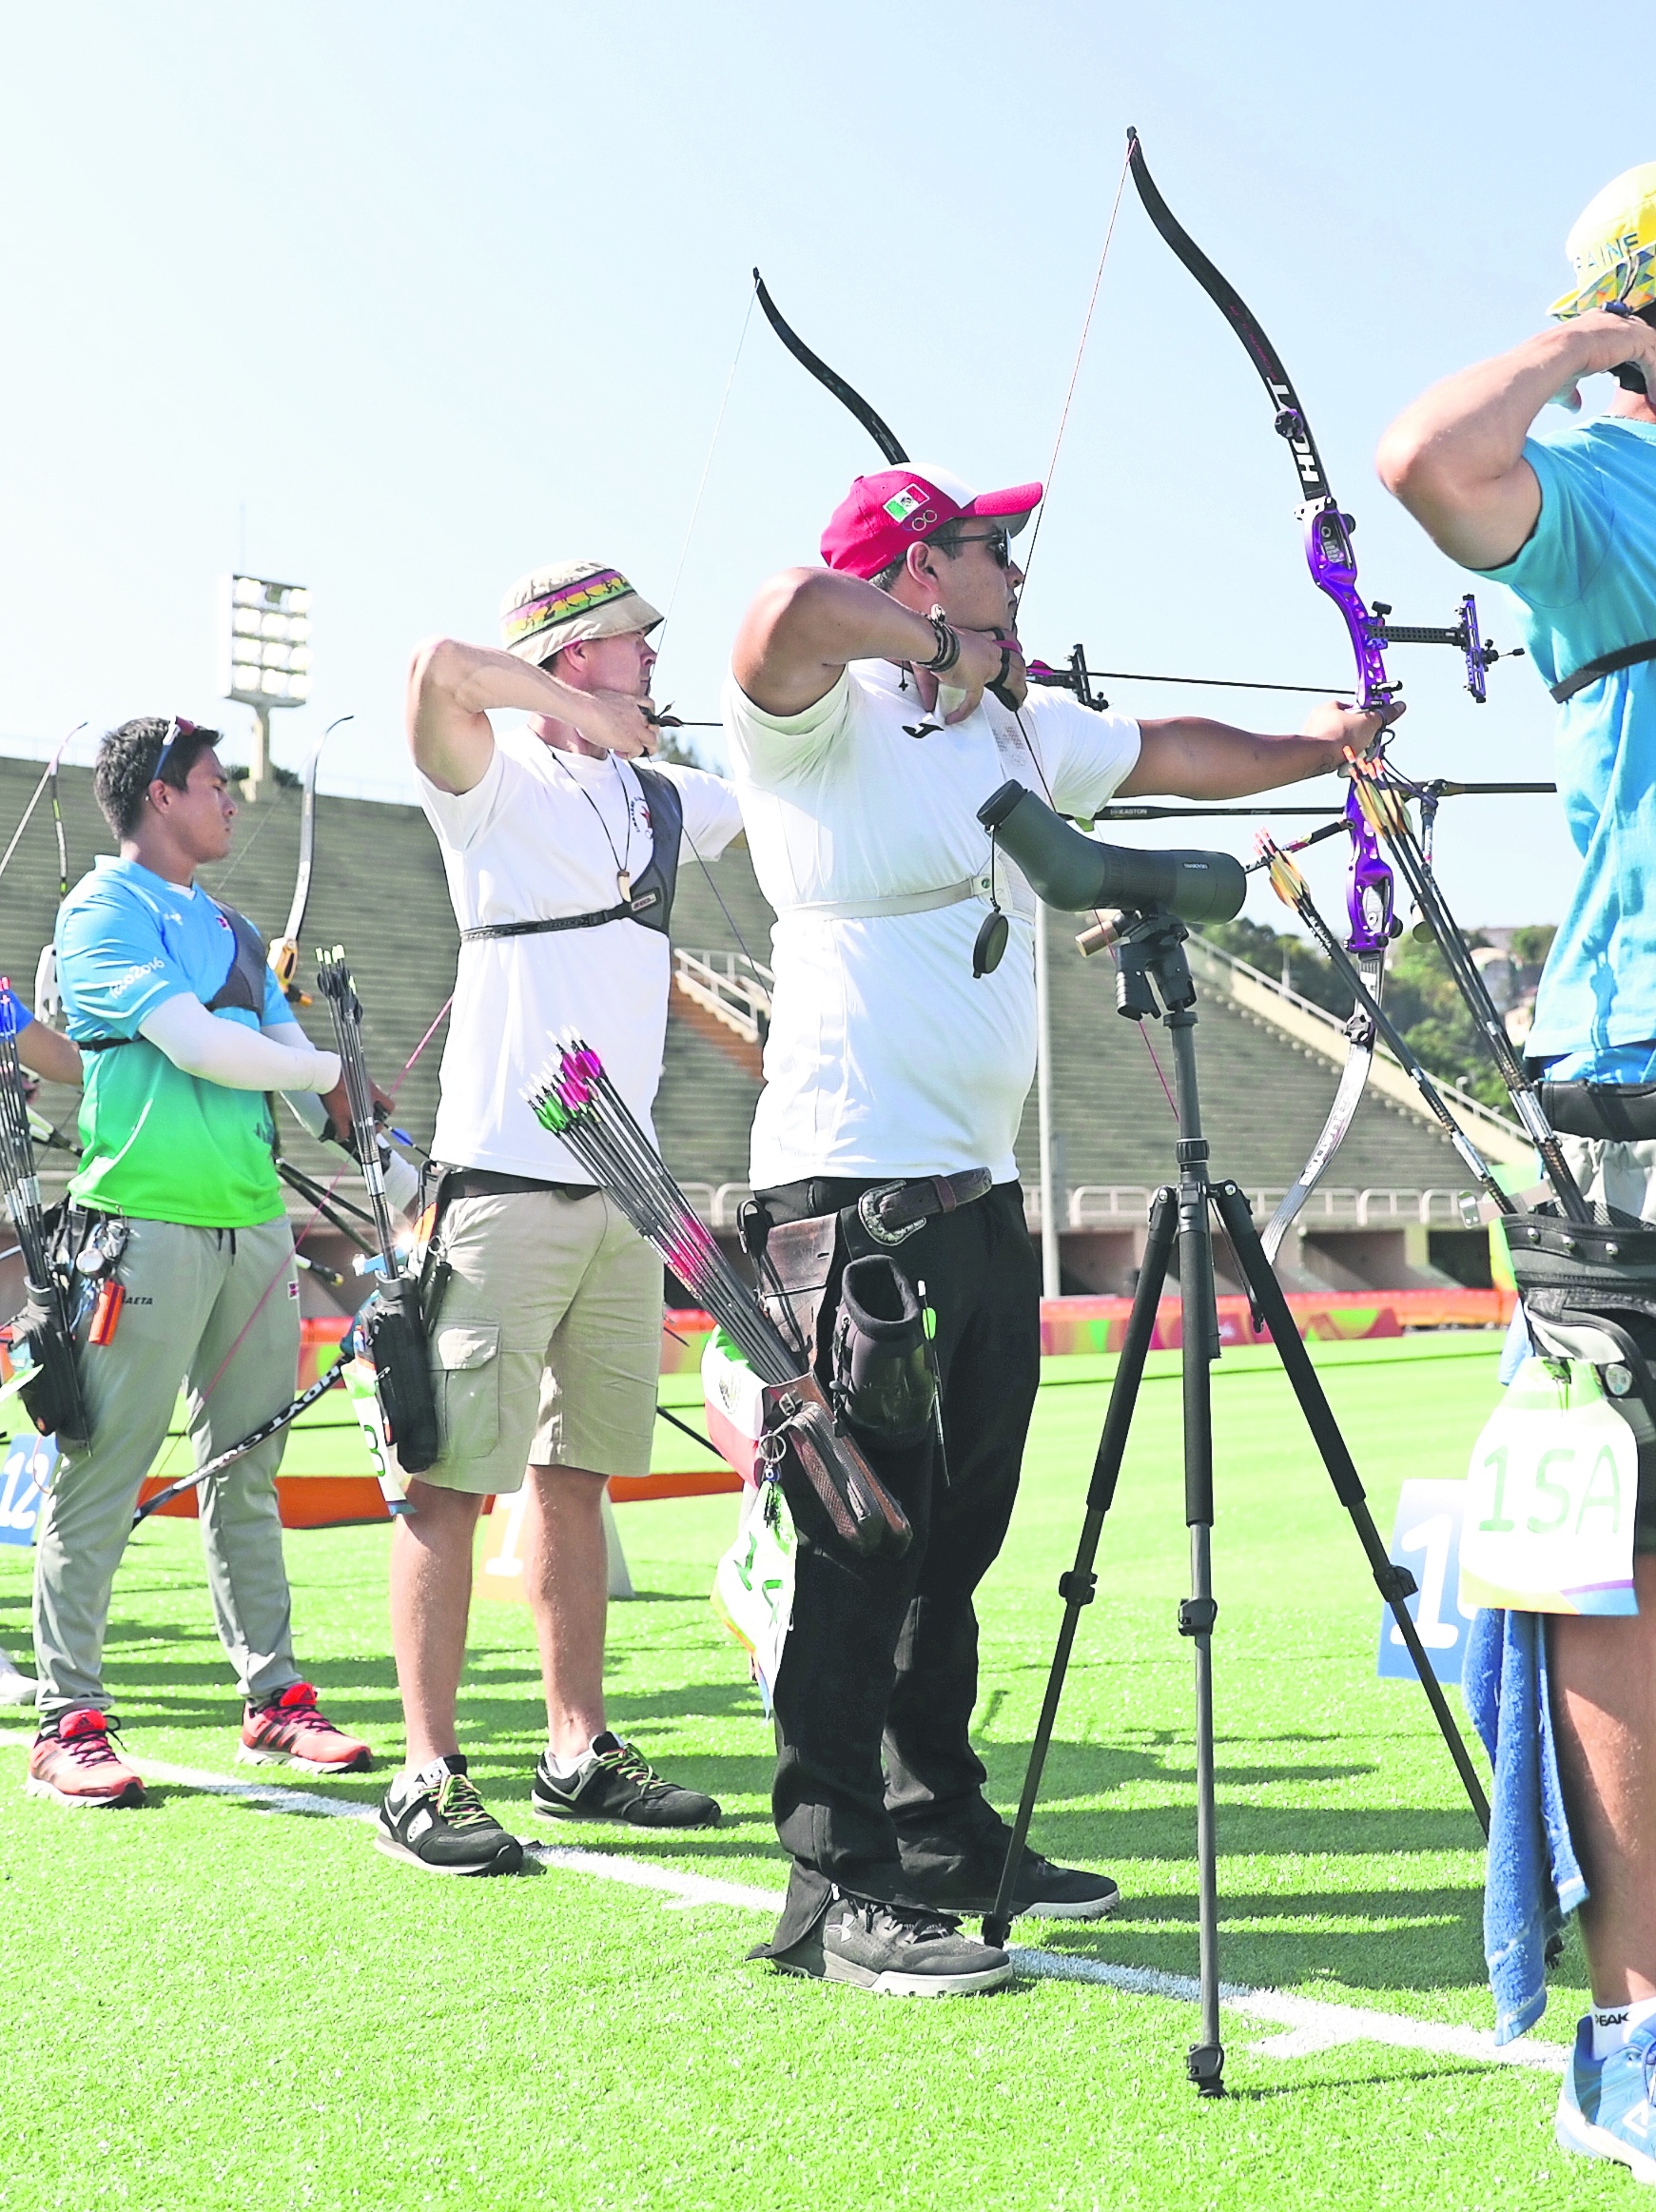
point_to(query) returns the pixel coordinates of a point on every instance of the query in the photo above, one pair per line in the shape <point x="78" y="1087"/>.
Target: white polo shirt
<point x="544" y="833"/>
<point x="886" y="1055"/>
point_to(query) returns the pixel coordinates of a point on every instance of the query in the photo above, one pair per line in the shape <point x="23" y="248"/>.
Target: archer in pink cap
<point x="880" y="516"/>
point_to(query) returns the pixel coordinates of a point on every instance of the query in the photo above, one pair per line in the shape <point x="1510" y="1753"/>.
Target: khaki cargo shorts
<point x="546" y="1341"/>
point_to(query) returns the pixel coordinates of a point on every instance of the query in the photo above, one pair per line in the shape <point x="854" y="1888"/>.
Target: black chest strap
<point x="1607" y="664"/>
<point x="651" y="903"/>
<point x="242" y="990"/>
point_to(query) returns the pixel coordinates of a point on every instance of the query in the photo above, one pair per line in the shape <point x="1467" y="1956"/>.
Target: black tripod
<point x="1151" y="952"/>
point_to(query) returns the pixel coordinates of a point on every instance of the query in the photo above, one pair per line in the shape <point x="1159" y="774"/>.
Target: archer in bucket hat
<point x="578" y="601"/>
<point x="562" y="840"/>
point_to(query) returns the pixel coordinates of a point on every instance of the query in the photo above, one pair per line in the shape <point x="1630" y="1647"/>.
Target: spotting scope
<point x="1075" y="873"/>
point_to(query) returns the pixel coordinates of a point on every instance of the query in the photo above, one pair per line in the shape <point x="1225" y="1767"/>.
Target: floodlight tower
<point x="263" y="655"/>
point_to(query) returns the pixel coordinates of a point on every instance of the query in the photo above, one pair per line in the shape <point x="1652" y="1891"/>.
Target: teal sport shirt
<point x="157" y="1143"/>
<point x="1585" y="583"/>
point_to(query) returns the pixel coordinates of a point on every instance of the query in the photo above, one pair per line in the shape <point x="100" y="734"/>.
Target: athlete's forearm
<point x="807" y="623"/>
<point x="232" y="1054"/>
<point x="46" y="1052"/>
<point x="1189" y="757"/>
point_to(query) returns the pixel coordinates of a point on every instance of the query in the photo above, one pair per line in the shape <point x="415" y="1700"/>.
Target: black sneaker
<point x="437" y="1820"/>
<point x="893" y="1950"/>
<point x="615" y="1782"/>
<point x="1044" y="1891"/>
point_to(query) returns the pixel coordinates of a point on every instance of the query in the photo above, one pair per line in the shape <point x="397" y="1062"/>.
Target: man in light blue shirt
<point x="1568" y="523"/>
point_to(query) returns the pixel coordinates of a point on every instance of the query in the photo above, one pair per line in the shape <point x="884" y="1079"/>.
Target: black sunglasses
<point x="999" y="544"/>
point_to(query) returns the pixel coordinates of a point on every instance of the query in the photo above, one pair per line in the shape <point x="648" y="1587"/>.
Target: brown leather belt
<point x="890" y="1211"/>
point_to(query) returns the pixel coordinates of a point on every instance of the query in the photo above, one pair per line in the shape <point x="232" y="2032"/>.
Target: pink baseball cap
<point x="882" y="515"/>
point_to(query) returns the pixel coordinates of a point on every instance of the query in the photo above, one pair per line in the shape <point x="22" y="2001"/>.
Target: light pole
<point x="263" y="655"/>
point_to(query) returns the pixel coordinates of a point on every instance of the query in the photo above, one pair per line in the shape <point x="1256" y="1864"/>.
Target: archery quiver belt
<point x="1589" y="1291"/>
<point x="390" y="1332"/>
<point x="801" y="1436"/>
<point x="1618" y="1113"/>
<point x="43" y="1342"/>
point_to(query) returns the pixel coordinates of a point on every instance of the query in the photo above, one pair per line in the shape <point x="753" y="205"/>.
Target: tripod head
<point x="1150" y="958"/>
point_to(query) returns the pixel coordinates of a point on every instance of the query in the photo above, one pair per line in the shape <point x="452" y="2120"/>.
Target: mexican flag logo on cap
<point x="905" y="503"/>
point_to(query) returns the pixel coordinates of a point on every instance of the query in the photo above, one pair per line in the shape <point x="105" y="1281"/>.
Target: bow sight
<point x="1334" y="532"/>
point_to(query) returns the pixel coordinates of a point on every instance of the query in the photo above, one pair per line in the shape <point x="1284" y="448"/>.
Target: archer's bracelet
<point x="948" y="647"/>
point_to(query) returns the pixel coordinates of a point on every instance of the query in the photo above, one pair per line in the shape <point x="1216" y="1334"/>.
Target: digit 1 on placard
<point x="1430" y="1536"/>
<point x="1496" y="1524"/>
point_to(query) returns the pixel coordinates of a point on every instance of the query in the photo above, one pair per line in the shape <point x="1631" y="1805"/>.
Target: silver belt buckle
<point x="870" y="1219"/>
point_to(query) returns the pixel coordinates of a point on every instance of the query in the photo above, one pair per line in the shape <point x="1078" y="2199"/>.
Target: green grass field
<point x="225" y="2001"/>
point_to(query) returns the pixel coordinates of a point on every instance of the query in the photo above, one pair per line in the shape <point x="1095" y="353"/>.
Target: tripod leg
<point x="1076" y="1587"/>
<point x="1393" y="1583"/>
<point x="1200" y="1336"/>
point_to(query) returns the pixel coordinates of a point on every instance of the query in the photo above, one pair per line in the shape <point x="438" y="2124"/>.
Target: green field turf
<point x="218" y="2004"/>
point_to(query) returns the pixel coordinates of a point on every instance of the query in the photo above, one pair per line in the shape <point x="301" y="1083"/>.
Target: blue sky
<point x="400" y="302"/>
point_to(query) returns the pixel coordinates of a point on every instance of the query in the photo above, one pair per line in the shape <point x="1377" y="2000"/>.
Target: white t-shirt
<point x="542" y="835"/>
<point x="886" y="1055"/>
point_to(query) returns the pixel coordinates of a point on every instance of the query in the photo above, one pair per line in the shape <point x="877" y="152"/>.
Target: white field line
<point x="1311" y="2025"/>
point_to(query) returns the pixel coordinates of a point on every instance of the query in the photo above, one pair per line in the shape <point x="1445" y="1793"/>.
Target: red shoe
<point x="75" y="1765"/>
<point x="289" y="1731"/>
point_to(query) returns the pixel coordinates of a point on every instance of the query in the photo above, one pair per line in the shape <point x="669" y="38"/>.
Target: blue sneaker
<point x="1605" y="2106"/>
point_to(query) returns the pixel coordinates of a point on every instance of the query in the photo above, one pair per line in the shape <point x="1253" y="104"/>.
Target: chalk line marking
<point x="1311" y="2025"/>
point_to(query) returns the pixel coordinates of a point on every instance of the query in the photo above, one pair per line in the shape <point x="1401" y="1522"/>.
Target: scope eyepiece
<point x="1076" y="873"/>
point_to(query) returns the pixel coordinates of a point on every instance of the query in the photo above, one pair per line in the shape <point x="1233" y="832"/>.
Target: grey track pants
<point x="192" y="1295"/>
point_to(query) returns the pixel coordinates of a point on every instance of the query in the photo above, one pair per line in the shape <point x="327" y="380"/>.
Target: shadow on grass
<point x="1376" y="2077"/>
<point x="1440" y="1946"/>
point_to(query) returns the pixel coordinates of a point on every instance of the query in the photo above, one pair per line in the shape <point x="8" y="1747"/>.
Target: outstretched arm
<point x="1193" y="758"/>
<point x="451" y="686"/>
<point x="1455" y="457"/>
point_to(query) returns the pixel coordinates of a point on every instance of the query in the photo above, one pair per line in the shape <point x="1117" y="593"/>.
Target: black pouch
<point x="882" y="1384"/>
<point x="40" y="1342"/>
<point x="390" y="1333"/>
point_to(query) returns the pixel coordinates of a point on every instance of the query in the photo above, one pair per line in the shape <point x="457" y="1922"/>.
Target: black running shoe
<point x="438" y="1821"/>
<point x="894" y="1950"/>
<point x="615" y="1782"/>
<point x="1044" y="1891"/>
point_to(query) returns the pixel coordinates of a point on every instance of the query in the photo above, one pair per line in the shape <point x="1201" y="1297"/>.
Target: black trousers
<point x="879" y="1677"/>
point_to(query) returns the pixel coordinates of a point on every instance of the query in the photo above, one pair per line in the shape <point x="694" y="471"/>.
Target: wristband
<point x="948" y="645"/>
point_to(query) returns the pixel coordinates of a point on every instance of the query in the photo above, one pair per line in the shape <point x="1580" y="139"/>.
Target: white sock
<point x="566" y="1770"/>
<point x="1614" y="2024"/>
<point x="413" y="1778"/>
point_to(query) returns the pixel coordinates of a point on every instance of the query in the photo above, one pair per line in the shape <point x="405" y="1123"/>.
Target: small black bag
<point x="392" y="1336"/>
<point x="882" y="1383"/>
<point x="40" y="1342"/>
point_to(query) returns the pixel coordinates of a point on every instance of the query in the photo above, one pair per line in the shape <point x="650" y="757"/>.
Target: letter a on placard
<point x="1591" y="1499"/>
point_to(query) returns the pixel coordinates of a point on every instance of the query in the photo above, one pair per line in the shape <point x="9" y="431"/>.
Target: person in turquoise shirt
<point x="1568" y="523"/>
<point x="182" y="1034"/>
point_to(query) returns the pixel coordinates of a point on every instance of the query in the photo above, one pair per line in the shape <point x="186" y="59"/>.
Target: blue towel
<point x="1534" y="1880"/>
